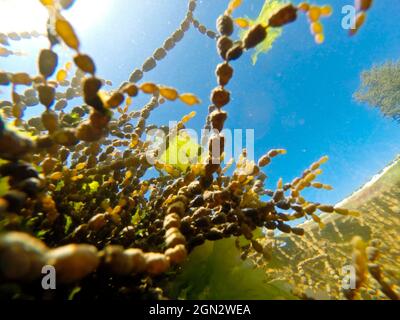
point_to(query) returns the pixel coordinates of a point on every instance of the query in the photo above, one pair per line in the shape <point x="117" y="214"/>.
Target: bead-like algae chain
<point x="160" y="53"/>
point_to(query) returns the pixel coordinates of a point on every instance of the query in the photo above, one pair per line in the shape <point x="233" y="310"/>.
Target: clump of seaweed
<point x="74" y="193"/>
<point x="322" y="259"/>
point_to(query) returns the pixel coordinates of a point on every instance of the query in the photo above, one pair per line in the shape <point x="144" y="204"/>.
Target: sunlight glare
<point x="29" y="15"/>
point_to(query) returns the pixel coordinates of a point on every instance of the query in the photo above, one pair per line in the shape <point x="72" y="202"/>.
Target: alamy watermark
<point x="186" y="146"/>
<point x="349" y="18"/>
<point x="349" y="277"/>
<point x="49" y="278"/>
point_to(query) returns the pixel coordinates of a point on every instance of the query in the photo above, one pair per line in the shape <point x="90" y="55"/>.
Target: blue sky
<point x="297" y="97"/>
